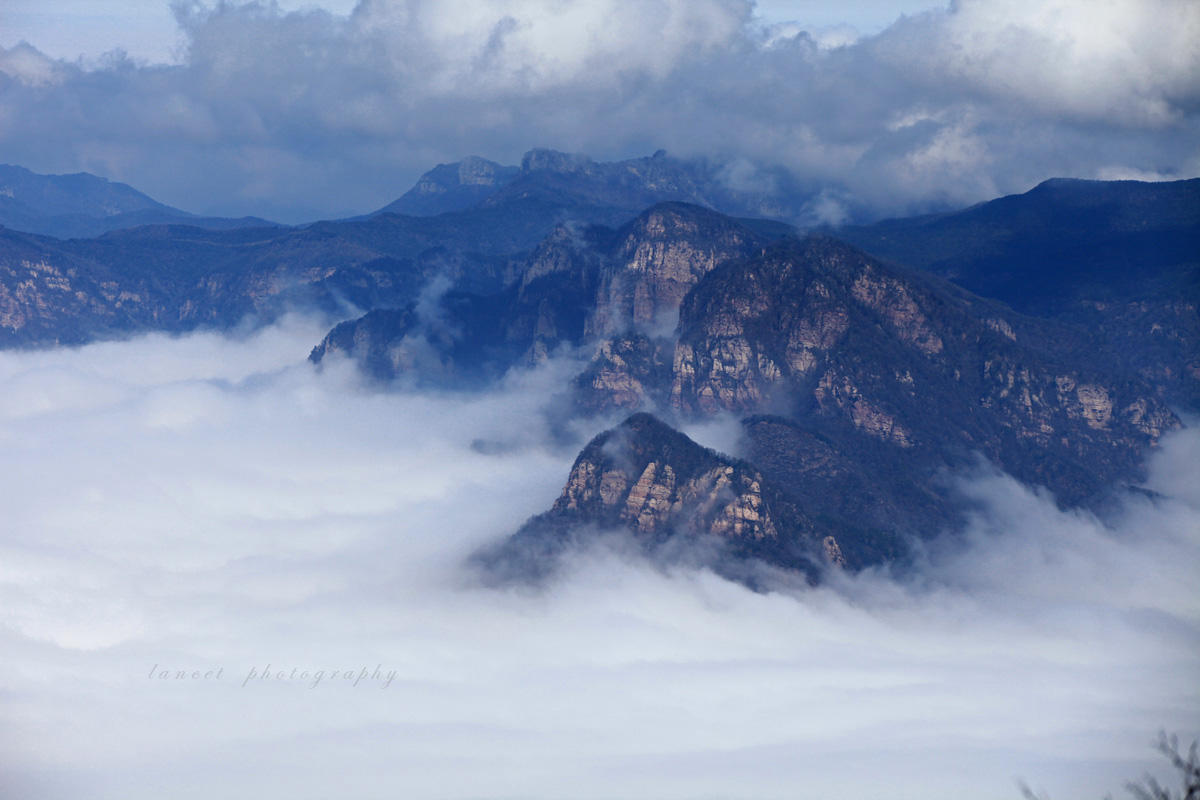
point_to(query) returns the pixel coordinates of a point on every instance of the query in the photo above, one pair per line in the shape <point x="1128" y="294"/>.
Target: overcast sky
<point x="296" y="113"/>
<point x="147" y="29"/>
<point x="213" y="503"/>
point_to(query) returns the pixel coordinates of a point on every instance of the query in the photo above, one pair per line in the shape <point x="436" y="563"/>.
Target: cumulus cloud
<point x="1127" y="63"/>
<point x="208" y="503"/>
<point x="307" y="113"/>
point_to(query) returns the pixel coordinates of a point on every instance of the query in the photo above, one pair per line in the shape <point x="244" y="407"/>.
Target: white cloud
<point x="1128" y="62"/>
<point x="525" y="45"/>
<point x="304" y="114"/>
<point x="25" y="64"/>
<point x="215" y="503"/>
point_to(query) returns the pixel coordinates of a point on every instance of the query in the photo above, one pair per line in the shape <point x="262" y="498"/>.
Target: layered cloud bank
<point x="339" y="114"/>
<point x="213" y="505"/>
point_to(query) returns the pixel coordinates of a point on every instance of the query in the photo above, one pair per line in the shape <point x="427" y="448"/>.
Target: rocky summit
<point x="646" y="478"/>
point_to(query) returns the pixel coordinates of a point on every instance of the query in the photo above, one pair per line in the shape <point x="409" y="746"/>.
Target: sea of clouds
<point x="214" y="503"/>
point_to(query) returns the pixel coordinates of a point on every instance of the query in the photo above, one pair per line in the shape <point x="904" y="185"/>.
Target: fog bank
<point x="205" y="504"/>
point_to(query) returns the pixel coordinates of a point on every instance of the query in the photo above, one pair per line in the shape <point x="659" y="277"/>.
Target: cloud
<point x="306" y="113"/>
<point x="526" y="46"/>
<point x="205" y="503"/>
<point x="1119" y="62"/>
<point x="25" y="65"/>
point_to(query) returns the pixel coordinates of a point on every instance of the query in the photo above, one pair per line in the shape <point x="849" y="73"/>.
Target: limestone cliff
<point x="656" y="261"/>
<point x="586" y="282"/>
<point x="819" y="332"/>
<point x="628" y="371"/>
<point x="647" y="478"/>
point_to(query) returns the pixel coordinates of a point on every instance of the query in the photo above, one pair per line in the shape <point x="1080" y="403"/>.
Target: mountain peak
<point x="80" y="205"/>
<point x="452" y="187"/>
<point x="652" y="480"/>
<point x="640" y="437"/>
<point x="78" y="193"/>
<point x="542" y="159"/>
<point x="677" y="212"/>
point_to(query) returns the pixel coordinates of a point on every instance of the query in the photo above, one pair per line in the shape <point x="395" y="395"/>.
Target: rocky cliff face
<point x="858" y="383"/>
<point x="591" y="282"/>
<point x="41" y="292"/>
<point x="628" y="372"/>
<point x="649" y="479"/>
<point x="647" y="476"/>
<point x="886" y="373"/>
<point x="822" y="334"/>
<point x="656" y="261"/>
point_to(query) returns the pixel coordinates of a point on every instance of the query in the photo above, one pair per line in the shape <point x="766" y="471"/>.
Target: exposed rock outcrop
<point x="590" y="282"/>
<point x="647" y="478"/>
<point x="657" y="259"/>
<point x="626" y="372"/>
<point x="821" y="333"/>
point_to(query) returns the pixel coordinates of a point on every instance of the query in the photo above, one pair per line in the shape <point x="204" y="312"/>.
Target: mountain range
<point x="183" y="274"/>
<point x="82" y="205"/>
<point x="1054" y="335"/>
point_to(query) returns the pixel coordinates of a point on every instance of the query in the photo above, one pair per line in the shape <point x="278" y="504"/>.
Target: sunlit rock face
<point x="658" y="258"/>
<point x="646" y="478"/>
<point x="582" y="283"/>
<point x="649" y="477"/>
<point x="821" y="333"/>
<point x="627" y="372"/>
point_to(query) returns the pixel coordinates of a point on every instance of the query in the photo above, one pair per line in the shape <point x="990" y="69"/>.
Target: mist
<point x="214" y="503"/>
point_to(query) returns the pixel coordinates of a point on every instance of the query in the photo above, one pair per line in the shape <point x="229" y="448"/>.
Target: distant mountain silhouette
<point x="82" y="205"/>
<point x="452" y="187"/>
<point x="601" y="192"/>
